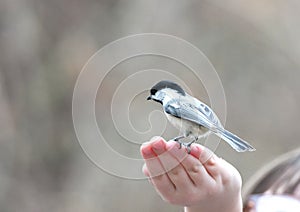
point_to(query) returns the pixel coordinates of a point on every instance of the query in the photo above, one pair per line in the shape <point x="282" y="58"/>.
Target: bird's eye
<point x="153" y="91"/>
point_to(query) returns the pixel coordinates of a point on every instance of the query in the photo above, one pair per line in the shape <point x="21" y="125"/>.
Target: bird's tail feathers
<point x="234" y="141"/>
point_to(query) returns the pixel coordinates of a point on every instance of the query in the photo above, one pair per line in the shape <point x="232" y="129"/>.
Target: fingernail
<point x="158" y="145"/>
<point x="146" y="151"/>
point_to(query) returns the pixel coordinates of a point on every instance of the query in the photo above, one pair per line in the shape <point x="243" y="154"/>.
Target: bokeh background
<point x="254" y="46"/>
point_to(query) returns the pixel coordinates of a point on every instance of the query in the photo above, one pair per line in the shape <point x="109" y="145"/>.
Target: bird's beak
<point x="149" y="97"/>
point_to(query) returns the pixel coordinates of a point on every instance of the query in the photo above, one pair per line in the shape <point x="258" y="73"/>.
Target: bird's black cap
<point x="166" y="84"/>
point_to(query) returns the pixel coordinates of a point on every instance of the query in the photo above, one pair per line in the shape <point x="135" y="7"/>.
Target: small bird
<point x="194" y="118"/>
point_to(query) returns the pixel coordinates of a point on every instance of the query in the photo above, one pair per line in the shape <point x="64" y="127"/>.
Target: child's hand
<point x="200" y="181"/>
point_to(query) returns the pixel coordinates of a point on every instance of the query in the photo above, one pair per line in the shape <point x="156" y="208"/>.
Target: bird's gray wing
<point x="196" y="112"/>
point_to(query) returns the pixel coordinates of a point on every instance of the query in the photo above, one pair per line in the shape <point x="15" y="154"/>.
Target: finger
<point x="210" y="161"/>
<point x="145" y="170"/>
<point x="228" y="172"/>
<point x="151" y="159"/>
<point x="155" y="170"/>
<point x="193" y="167"/>
<point x="175" y="170"/>
<point x="220" y="170"/>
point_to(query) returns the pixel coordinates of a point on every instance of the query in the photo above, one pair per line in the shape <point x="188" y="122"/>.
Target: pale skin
<point x="199" y="181"/>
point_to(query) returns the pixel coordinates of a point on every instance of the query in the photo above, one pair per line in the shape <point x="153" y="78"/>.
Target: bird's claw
<point x="186" y="145"/>
<point x="180" y="143"/>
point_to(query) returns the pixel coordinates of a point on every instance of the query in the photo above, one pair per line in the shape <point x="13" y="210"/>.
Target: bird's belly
<point x="186" y="127"/>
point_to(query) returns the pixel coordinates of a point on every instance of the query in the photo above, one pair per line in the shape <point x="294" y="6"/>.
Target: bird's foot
<point x="186" y="145"/>
<point x="180" y="144"/>
<point x="177" y="140"/>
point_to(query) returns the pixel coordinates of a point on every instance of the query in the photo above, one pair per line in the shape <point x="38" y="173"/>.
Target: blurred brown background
<point x="253" y="45"/>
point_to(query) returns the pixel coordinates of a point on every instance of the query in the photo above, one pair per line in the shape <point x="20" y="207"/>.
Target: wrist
<point x="232" y="205"/>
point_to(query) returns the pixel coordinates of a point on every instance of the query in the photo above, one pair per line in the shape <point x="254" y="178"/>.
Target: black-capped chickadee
<point x="194" y="118"/>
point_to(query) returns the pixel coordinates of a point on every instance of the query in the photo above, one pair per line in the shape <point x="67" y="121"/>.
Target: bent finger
<point x="155" y="170"/>
<point x="193" y="167"/>
<point x="174" y="169"/>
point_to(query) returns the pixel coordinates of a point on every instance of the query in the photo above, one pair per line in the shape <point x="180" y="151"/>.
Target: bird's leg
<point x="177" y="140"/>
<point x="188" y="145"/>
<point x="179" y="137"/>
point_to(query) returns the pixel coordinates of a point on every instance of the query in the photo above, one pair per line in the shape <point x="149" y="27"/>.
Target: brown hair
<point x="282" y="176"/>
